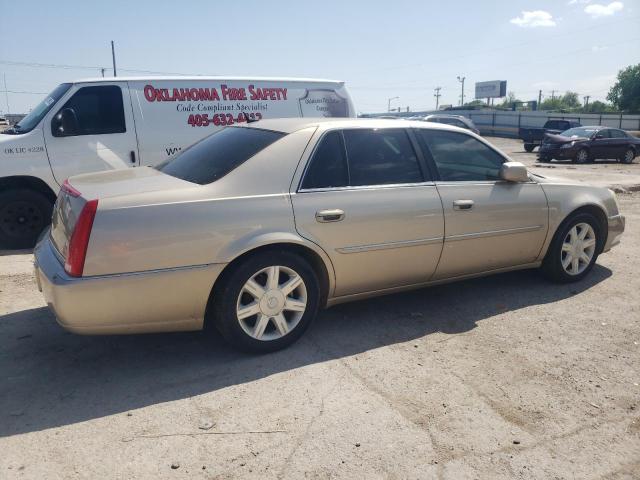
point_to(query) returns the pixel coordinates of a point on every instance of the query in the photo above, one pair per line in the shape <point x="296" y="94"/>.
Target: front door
<point x="489" y="223"/>
<point x="601" y="145"/>
<point x="366" y="199"/>
<point x="93" y="130"/>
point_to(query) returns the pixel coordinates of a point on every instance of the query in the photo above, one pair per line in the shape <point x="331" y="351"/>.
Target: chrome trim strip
<point x="385" y="246"/>
<point x="367" y="187"/>
<point x="492" y="233"/>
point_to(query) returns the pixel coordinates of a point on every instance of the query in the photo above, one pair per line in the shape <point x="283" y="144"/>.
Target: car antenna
<point x="249" y="120"/>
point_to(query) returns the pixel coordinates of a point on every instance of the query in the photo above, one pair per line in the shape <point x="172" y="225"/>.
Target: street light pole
<point x="389" y="103"/>
<point x="461" y="80"/>
<point x="437" y="95"/>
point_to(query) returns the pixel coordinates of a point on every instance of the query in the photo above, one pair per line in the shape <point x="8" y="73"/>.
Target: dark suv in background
<point x="585" y="144"/>
<point x="533" y="136"/>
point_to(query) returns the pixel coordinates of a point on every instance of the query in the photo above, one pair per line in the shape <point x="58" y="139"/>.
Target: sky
<point x="381" y="49"/>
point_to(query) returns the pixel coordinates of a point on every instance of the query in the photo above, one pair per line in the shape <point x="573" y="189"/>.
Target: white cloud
<point x="598" y="48"/>
<point x="596" y="10"/>
<point x="536" y="18"/>
<point x="581" y="2"/>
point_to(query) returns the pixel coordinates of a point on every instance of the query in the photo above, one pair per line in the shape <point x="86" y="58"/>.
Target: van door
<point x="92" y="130"/>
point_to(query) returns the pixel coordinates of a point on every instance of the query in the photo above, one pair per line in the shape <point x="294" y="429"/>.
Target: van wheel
<point x="266" y="302"/>
<point x="574" y="249"/>
<point x="24" y="214"/>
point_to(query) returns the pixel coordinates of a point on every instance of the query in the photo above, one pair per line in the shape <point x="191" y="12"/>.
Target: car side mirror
<point x="514" y="172"/>
<point x="65" y="123"/>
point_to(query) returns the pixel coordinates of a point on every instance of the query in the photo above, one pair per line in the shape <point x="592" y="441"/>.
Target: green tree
<point x="570" y="100"/>
<point x="625" y="94"/>
<point x="598" y="107"/>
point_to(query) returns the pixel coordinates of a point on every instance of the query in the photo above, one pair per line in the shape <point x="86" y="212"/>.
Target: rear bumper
<point x="154" y="301"/>
<point x="616" y="228"/>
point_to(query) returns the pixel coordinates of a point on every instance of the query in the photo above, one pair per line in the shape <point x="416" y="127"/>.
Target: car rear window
<point x="216" y="155"/>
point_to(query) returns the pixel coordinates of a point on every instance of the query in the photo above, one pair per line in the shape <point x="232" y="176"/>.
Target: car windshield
<point x="29" y="122"/>
<point x="216" y="155"/>
<point x="581" y="132"/>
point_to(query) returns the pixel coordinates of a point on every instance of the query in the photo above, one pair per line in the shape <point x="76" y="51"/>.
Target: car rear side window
<point x="381" y="157"/>
<point x="618" y="134"/>
<point x="328" y="167"/>
<point x="460" y="157"/>
<point x="216" y="155"/>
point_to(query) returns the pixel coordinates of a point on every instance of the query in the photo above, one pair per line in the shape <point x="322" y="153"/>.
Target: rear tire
<point x="628" y="156"/>
<point x="558" y="262"/>
<point x="24" y="214"/>
<point x="257" y="314"/>
<point x="528" y="147"/>
<point x="582" y="156"/>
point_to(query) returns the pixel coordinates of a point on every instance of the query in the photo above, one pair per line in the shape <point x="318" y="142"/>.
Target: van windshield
<point x="216" y="155"/>
<point x="29" y="122"/>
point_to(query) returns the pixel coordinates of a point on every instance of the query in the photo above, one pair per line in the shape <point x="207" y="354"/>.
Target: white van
<point x="102" y="124"/>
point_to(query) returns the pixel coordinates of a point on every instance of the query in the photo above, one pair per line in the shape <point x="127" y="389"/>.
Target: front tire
<point x="266" y="302"/>
<point x="574" y="249"/>
<point x="528" y="147"/>
<point x="24" y="214"/>
<point x="582" y="156"/>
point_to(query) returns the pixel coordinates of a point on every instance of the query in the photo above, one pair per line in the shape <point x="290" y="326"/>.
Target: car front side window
<point x="91" y="111"/>
<point x="462" y="158"/>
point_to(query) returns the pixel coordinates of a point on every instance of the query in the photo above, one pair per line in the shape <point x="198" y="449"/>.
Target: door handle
<point x="325" y="216"/>
<point x="132" y="156"/>
<point x="462" y="204"/>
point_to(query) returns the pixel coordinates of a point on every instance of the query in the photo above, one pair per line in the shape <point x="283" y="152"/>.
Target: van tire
<point x="24" y="214"/>
<point x="227" y="299"/>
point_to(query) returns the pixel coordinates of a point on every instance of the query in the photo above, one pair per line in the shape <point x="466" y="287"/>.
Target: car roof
<point x="204" y="78"/>
<point x="289" y="125"/>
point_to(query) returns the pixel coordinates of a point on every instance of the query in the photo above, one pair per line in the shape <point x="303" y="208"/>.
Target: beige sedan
<point x="255" y="228"/>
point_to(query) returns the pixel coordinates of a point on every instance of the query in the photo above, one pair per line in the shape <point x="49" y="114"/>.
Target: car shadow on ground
<point x="6" y="253"/>
<point x="52" y="378"/>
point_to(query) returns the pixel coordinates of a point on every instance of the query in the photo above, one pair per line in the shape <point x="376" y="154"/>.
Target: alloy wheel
<point x="271" y="303"/>
<point x="578" y="248"/>
<point x="582" y="156"/>
<point x="628" y="156"/>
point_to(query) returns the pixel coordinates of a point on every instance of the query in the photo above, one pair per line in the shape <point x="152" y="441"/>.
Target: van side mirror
<point x="514" y="172"/>
<point x="65" y="123"/>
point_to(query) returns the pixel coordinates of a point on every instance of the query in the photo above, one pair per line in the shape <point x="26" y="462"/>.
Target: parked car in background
<point x="455" y="120"/>
<point x="255" y="227"/>
<point x="119" y="123"/>
<point x="585" y="144"/>
<point x="4" y="122"/>
<point x="532" y="137"/>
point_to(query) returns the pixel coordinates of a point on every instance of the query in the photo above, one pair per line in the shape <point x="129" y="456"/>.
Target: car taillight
<point x="68" y="189"/>
<point x="74" y="264"/>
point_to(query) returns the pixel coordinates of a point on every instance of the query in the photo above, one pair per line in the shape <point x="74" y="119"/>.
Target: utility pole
<point x="461" y="80"/>
<point x="586" y="100"/>
<point x="113" y="56"/>
<point x="437" y="95"/>
<point x="389" y="102"/>
<point x="102" y="71"/>
<point x="539" y="97"/>
<point x="6" y="93"/>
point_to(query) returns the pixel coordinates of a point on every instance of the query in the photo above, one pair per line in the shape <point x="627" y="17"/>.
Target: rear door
<point x="489" y="223"/>
<point x="368" y="201"/>
<point x="601" y="146"/>
<point x="619" y="143"/>
<point x="92" y="130"/>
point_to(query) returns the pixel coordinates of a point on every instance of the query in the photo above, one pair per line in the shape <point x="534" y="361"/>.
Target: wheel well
<point x="600" y="215"/>
<point x="32" y="183"/>
<point x="308" y="254"/>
